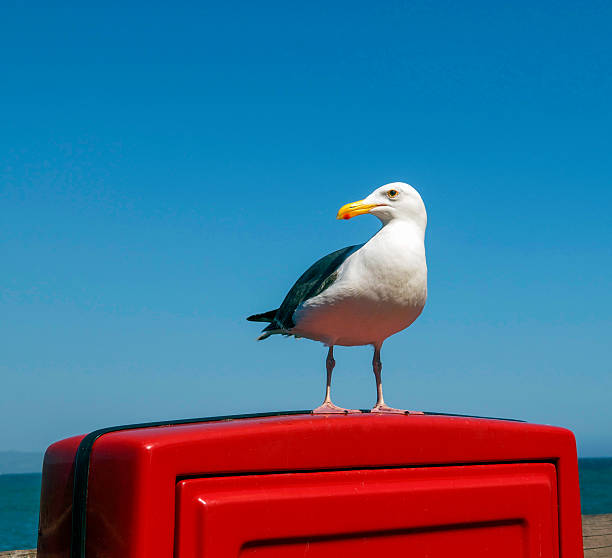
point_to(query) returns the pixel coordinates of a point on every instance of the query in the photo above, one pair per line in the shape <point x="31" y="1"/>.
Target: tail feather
<point x="263" y="317"/>
<point x="272" y="327"/>
<point x="266" y="332"/>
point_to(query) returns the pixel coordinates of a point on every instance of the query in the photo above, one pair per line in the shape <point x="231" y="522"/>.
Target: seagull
<point x="362" y="294"/>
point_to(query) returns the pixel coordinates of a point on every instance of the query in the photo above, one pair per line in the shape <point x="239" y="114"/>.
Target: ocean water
<point x="596" y="485"/>
<point x="19" y="501"/>
<point x="20" y="494"/>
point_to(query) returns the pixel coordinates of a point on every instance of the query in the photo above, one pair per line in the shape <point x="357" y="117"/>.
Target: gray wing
<point x="318" y="277"/>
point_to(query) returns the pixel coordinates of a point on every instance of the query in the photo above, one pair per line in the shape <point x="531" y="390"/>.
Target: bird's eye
<point x="392" y="194"/>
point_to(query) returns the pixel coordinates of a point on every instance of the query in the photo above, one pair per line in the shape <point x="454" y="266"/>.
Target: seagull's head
<point x="394" y="201"/>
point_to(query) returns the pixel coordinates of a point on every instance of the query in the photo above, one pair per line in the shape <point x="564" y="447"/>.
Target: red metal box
<point x="314" y="486"/>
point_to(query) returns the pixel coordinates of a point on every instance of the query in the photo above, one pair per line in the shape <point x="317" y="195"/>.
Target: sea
<point x="20" y="494"/>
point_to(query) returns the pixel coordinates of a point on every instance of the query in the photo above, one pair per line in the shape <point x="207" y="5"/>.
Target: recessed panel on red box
<point x="496" y="511"/>
<point x="314" y="486"/>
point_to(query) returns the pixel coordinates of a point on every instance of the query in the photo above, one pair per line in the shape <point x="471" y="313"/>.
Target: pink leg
<point x="327" y="407"/>
<point x="381" y="406"/>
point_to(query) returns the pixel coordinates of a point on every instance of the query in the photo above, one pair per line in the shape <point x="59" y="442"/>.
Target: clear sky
<point x="167" y="169"/>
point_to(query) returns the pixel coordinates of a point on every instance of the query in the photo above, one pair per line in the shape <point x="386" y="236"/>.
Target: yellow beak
<point x="353" y="209"/>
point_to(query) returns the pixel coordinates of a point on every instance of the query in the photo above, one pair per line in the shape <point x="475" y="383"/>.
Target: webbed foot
<point x="328" y="408"/>
<point x="385" y="409"/>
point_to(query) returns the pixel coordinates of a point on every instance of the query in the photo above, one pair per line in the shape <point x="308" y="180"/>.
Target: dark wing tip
<point x="263" y="317"/>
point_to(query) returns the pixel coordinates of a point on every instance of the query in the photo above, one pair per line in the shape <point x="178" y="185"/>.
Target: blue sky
<point x="166" y="171"/>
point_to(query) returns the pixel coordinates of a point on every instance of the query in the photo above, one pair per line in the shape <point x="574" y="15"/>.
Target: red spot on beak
<point x="346" y="216"/>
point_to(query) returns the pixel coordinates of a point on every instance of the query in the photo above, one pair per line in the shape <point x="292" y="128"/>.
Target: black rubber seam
<point x="78" y="539"/>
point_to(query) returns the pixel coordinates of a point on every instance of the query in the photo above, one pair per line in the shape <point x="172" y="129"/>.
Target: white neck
<point x="403" y="228"/>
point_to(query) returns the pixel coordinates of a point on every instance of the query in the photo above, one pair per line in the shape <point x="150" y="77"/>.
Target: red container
<point x="314" y="486"/>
